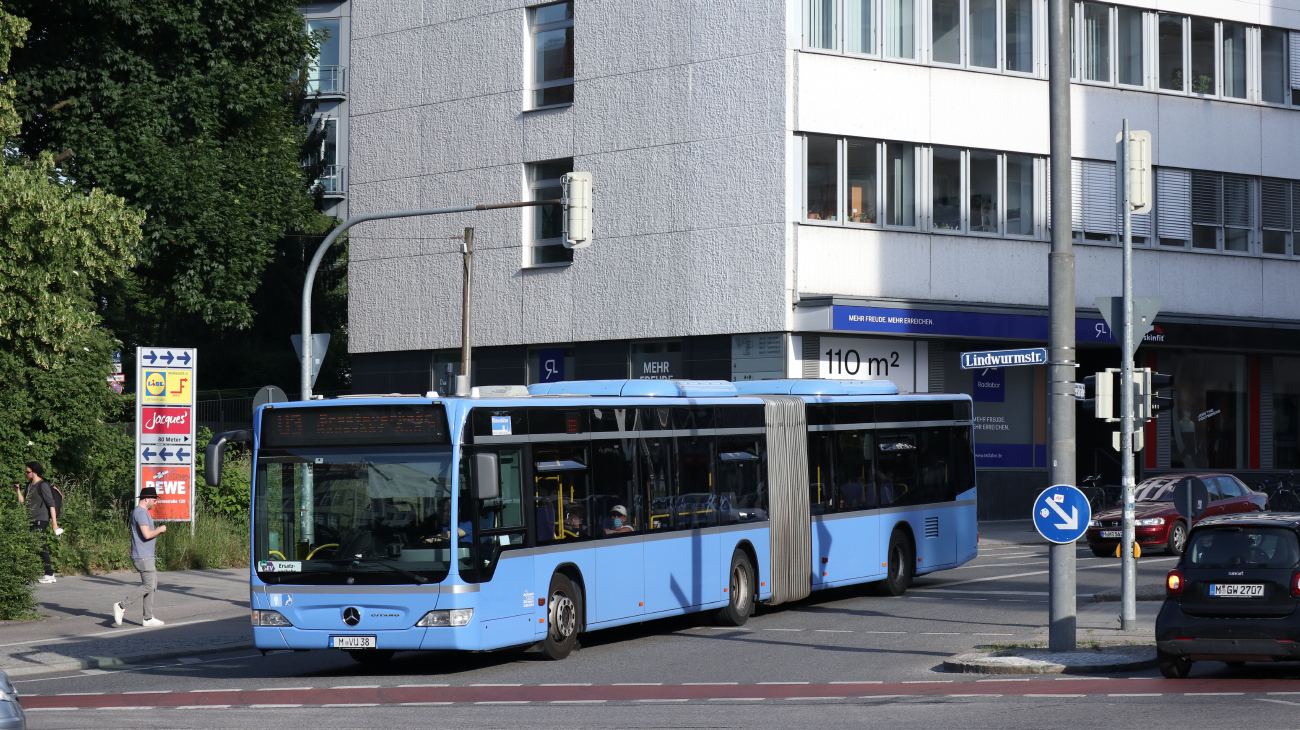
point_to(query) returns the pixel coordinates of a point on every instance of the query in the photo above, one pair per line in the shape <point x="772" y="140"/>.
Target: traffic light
<point x="1105" y="396"/>
<point x="576" y="206"/>
<point x="1151" y="385"/>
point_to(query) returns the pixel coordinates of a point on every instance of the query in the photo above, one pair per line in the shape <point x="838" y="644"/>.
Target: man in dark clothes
<point x="40" y="512"/>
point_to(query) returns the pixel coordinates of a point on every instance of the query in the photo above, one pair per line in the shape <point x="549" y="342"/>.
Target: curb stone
<point x="1042" y="661"/>
<point x="101" y="662"/>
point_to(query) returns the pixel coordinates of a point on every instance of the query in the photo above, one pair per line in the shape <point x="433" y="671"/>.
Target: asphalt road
<point x="841" y="656"/>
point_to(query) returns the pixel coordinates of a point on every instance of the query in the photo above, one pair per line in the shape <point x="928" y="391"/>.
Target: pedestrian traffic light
<point x="576" y="206"/>
<point x="1105" y="396"/>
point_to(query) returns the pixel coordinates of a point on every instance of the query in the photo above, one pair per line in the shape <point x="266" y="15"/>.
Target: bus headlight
<point x="454" y="617"/>
<point x="269" y="618"/>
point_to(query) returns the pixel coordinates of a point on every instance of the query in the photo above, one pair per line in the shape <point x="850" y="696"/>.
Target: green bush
<point x="19" y="565"/>
<point x="231" y="499"/>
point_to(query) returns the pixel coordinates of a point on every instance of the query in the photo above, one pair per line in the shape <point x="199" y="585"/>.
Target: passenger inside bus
<point x="617" y="521"/>
<point x="437" y="529"/>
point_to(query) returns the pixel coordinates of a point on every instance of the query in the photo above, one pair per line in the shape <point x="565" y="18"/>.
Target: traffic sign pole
<point x="1128" y="481"/>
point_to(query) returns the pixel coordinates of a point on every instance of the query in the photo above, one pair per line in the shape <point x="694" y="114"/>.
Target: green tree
<point x="186" y="109"/>
<point x="56" y="243"/>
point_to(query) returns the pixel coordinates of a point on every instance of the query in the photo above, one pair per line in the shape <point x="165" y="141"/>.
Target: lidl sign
<point x="171" y="387"/>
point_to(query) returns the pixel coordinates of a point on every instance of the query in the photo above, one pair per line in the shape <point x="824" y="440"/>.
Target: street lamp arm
<point x="310" y="279"/>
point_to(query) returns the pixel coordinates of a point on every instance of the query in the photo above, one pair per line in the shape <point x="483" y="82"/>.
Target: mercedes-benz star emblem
<point x="351" y="616"/>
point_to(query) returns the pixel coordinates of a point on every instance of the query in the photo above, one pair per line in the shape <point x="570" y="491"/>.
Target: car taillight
<point x="1295" y="584"/>
<point x="1174" y="582"/>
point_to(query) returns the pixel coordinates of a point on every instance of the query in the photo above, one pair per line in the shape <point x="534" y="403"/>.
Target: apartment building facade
<point x="835" y="188"/>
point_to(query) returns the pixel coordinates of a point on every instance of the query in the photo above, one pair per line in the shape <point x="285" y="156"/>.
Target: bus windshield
<point x="345" y="515"/>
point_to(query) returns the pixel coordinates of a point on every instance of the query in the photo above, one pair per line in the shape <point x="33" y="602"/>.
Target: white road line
<point x="69" y="709"/>
<point x="884" y="632"/>
<point x="1003" y="680"/>
<point x="659" y="700"/>
<point x="831" y="631"/>
<point x="864" y="681"/>
<point x="734" y="699"/>
<point x="148" y="692"/>
<point x="1257" y="699"/>
<point x="812" y="698"/>
<point x="708" y="684"/>
<point x="578" y="702"/>
<point x="1039" y="572"/>
<point x="927" y="681"/>
<point x="785" y="682"/>
<point x="991" y="634"/>
<point x="200" y="707"/>
<point x="1212" y="694"/>
<point x="274" y="706"/>
<point x="637" y="684"/>
<point x="503" y="702"/>
<point x="70" y="694"/>
<point x="277" y="689"/>
<point x="422" y="704"/>
<point x="216" y="690"/>
<point x="783" y="629"/>
<point x="1136" y="694"/>
<point x="496" y="685"/>
<point x="424" y="685"/>
<point x="973" y="695"/>
<point x="350" y="704"/>
<point x="574" y="684"/>
<point x="1043" y="694"/>
<point x="356" y="686"/>
<point x="940" y="633"/>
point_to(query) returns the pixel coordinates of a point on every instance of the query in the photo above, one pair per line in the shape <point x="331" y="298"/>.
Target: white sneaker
<point x="47" y="579"/>
<point x="152" y="622"/>
<point x="118" y="614"/>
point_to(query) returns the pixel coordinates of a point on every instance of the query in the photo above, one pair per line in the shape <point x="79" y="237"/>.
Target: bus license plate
<point x="1237" y="590"/>
<point x="353" y="642"/>
<point x="1112" y="533"/>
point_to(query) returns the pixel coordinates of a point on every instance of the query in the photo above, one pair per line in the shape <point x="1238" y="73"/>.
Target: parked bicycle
<point x="1282" y="494"/>
<point x="1096" y="494"/>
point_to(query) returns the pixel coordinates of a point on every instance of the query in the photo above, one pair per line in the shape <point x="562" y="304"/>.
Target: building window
<point x="1202" y="49"/>
<point x="1020" y="195"/>
<point x="1221" y="211"/>
<point x="848" y="172"/>
<point x="324" y="159"/>
<point x="860" y="26"/>
<point x="1273" y="65"/>
<point x="324" y="73"/>
<point x="945" y="186"/>
<point x="900" y="28"/>
<point x="547" y="244"/>
<point x="1096" y="42"/>
<point x="1171" y="51"/>
<point x="552" y="35"/>
<point x="967" y="33"/>
<point x="1129" y="47"/>
<point x="1275" y="204"/>
<point x="1286" y="413"/>
<point x="1234" y="60"/>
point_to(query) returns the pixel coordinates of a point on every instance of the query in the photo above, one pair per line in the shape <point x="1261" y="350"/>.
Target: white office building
<point x="835" y="188"/>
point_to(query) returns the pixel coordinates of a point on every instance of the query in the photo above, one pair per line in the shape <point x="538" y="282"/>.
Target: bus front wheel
<point x="740" y="592"/>
<point x="900" y="565"/>
<point x="562" y="618"/>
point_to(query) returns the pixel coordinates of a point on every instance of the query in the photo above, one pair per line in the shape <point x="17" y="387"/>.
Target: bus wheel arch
<point x="741" y="590"/>
<point x="747" y="547"/>
<point x="574" y="574"/>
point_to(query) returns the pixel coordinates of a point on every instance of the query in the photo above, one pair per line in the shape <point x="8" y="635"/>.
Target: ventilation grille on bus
<point x="931" y="527"/>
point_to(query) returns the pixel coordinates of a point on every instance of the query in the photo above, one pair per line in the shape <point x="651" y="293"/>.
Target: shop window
<point x="1286" y="412"/>
<point x="1210" y="416"/>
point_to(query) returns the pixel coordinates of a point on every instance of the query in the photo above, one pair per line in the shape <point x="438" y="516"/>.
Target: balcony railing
<point x="333" y="182"/>
<point x="327" y="80"/>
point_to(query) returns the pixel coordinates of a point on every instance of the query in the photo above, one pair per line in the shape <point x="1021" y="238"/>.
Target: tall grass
<point x="97" y="539"/>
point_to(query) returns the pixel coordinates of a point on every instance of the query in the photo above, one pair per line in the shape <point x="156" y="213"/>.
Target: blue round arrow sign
<point x="1062" y="514"/>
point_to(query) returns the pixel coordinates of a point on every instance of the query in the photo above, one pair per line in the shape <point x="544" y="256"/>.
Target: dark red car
<point x="1159" y="526"/>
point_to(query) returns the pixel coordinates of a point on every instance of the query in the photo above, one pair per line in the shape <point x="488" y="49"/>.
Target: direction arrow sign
<point x="160" y="455"/>
<point x="1003" y="358"/>
<point x="1062" y="513"/>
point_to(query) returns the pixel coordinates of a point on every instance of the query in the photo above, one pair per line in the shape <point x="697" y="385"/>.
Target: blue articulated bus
<point x="522" y="517"/>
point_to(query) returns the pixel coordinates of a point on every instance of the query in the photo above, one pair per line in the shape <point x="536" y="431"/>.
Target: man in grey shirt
<point x="143" y="534"/>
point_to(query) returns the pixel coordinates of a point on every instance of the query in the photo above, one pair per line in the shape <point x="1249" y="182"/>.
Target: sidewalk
<point x="205" y="610"/>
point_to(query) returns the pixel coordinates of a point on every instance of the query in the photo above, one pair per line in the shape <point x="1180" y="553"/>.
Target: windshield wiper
<point x="415" y="577"/>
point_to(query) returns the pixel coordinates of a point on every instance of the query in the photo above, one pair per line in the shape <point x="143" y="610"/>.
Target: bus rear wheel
<point x="562" y="618"/>
<point x="900" y="566"/>
<point x="740" y="592"/>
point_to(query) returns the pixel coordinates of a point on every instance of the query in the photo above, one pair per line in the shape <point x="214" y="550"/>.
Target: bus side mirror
<point x="486" y="482"/>
<point x="215" y="453"/>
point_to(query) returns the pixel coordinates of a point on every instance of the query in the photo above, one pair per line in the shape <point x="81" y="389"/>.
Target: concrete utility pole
<point x="1060" y="293"/>
<point x="1128" y="479"/>
<point x="467" y="251"/>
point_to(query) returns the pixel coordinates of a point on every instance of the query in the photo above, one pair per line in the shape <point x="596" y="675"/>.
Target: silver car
<point x="11" y="712"/>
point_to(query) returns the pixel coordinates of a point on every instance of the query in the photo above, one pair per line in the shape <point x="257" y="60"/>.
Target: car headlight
<point x="1095" y="523"/>
<point x="269" y="618"/>
<point x="1150" y="522"/>
<point x="454" y="617"/>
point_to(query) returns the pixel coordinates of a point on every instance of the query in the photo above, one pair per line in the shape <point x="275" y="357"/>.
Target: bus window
<point x="616" y="420"/>
<point x="963" y="459"/>
<point x="742" y="490"/>
<point x="616" y="507"/>
<point x="498" y="524"/>
<point x="740" y="417"/>
<point x="896" y="472"/>
<point x="821" y="474"/>
<point x="557" y="420"/>
<point x="494" y="422"/>
<point x="653" y="419"/>
<point x="692" y="418"/>
<point x="655" y="461"/>
<point x="853" y="471"/>
<point x="508" y="510"/>
<point x="935" y="458"/>
<point x="560" y="492"/>
<point x="695" y="505"/>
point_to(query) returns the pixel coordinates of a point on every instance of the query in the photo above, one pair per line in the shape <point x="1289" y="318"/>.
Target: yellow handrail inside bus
<point x="277" y="552"/>
<point x="322" y="547"/>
